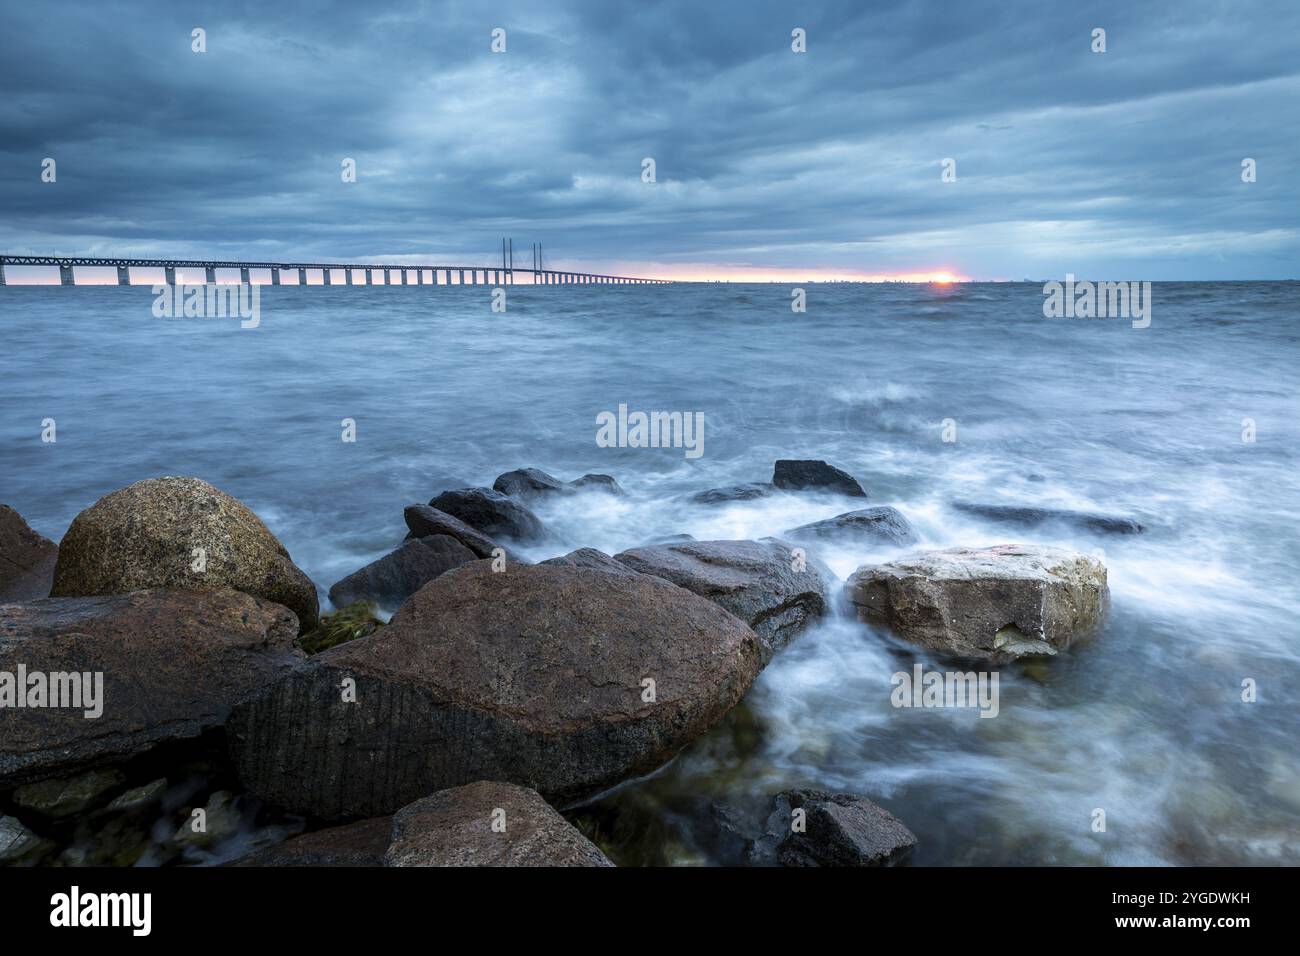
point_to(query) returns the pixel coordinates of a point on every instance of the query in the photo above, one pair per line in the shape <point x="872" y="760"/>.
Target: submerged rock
<point x="363" y="843"/>
<point x="838" y="829"/>
<point x="138" y="797"/>
<point x="356" y="620"/>
<point x="154" y="533"/>
<point x="815" y="475"/>
<point x="746" y="492"/>
<point x="487" y="824"/>
<point x="1032" y="516"/>
<point x="172" y="663"/>
<point x="68" y="795"/>
<point x="1002" y="602"/>
<point x="764" y="583"/>
<point x="390" y="580"/>
<point x="16" y="841"/>
<point x="491" y="512"/>
<point x="604" y="483"/>
<point x="27" y="559"/>
<point x="877" y="525"/>
<point x="564" y="679"/>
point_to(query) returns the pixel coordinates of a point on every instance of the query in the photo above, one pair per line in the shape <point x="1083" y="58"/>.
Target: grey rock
<point x="27" y="559"/>
<point x="528" y="483"/>
<point x="761" y="582"/>
<point x="1032" y="516"/>
<point x="533" y="676"/>
<point x="815" y="475"/>
<point x="138" y="797"/>
<point x="16" y="841"/>
<point x="424" y="521"/>
<point x="998" y="603"/>
<point x="173" y="664"/>
<point x="882" y="525"/>
<point x="840" y="829"/>
<point x="604" y="483"/>
<point x="393" y="578"/>
<point x="489" y="511"/>
<point x="746" y="492"/>
<point x="455" y="827"/>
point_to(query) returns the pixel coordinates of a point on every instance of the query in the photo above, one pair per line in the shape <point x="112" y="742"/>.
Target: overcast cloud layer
<point x="1125" y="164"/>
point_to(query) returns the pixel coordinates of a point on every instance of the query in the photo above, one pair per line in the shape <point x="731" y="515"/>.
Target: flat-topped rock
<point x="1003" y="602"/>
<point x="27" y="559"/>
<point x="767" y="584"/>
<point x="173" y="664"/>
<point x="1029" y="516"/>
<point x="839" y="829"/>
<point x="592" y="559"/>
<point x="815" y="475"/>
<point x="880" y="525"/>
<point x="487" y="824"/>
<point x="745" y="492"/>
<point x="422" y="520"/>
<point x="564" y="679"/>
<point x="178" y="533"/>
<point x="363" y="843"/>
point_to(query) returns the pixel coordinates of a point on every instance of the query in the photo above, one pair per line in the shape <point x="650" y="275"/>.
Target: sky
<point x="768" y="163"/>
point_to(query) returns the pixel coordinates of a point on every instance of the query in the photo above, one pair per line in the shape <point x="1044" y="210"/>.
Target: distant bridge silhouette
<point x="478" y="275"/>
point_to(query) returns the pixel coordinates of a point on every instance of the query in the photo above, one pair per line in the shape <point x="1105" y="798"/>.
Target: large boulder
<point x="27" y="559"/>
<point x="537" y="675"/>
<point x="491" y="512"/>
<point x="1003" y="602"/>
<point x="590" y="482"/>
<point x="729" y="493"/>
<point x="777" y="591"/>
<point x="487" y="824"/>
<point x="151" y="535"/>
<point x="173" y="663"/>
<point x="1027" y="516"/>
<point x="815" y="475"/>
<point x="393" y="578"/>
<point x="837" y="829"/>
<point x="881" y="525"/>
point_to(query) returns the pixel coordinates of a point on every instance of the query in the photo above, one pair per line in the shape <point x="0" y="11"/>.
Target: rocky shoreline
<point x="499" y="692"/>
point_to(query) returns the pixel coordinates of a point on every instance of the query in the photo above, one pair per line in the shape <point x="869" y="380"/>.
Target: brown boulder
<point x="26" y="559"/>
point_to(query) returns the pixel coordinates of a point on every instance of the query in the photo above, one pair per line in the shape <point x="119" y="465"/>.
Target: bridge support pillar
<point x="325" y="276"/>
<point x="65" y="276"/>
<point x="275" y="277"/>
<point x="419" y="277"/>
<point x="169" y="275"/>
<point x="123" y="275"/>
<point x="2" y="273"/>
<point x="302" y="276"/>
<point x="243" y="276"/>
<point x="209" y="275"/>
<point x="461" y="280"/>
<point x="347" y="276"/>
<point x="370" y="277"/>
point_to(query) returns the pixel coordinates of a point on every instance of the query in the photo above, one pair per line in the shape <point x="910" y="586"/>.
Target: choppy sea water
<point x="1145" y="721"/>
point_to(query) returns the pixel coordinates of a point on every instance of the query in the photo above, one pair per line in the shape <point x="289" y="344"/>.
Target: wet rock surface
<point x="814" y="475"/>
<point x="27" y="559"/>
<point x="1034" y="516"/>
<point x="492" y="513"/>
<point x="396" y="576"/>
<point x="537" y="675"/>
<point x="834" y="829"/>
<point x="1003" y="602"/>
<point x="881" y="525"/>
<point x="765" y="583"/>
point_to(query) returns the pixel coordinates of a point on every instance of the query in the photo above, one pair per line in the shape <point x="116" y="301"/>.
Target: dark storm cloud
<point x="1125" y="163"/>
